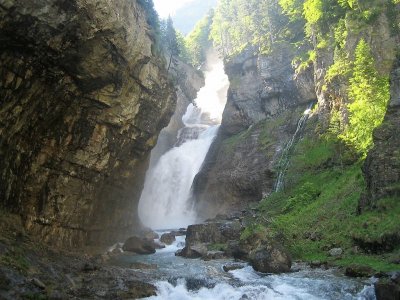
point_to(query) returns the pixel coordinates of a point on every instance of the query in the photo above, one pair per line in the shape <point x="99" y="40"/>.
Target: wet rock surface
<point x="167" y="238"/>
<point x="84" y="96"/>
<point x="388" y="287"/>
<point x="219" y="239"/>
<point x="140" y="245"/>
<point x="270" y="258"/>
<point x="31" y="270"/>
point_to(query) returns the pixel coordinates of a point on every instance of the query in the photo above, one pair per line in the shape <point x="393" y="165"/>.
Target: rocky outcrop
<point x="382" y="166"/>
<point x="200" y="238"/>
<point x="139" y="245"/>
<point x="84" y="95"/>
<point x="224" y="238"/>
<point x="265" y="101"/>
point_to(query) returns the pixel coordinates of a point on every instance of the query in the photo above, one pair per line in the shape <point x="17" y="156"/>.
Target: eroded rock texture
<point x="382" y="166"/>
<point x="265" y="101"/>
<point x="83" y="95"/>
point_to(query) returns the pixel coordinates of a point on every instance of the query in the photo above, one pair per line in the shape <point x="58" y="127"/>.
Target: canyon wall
<point x="265" y="101"/>
<point x="382" y="166"/>
<point x="84" y="93"/>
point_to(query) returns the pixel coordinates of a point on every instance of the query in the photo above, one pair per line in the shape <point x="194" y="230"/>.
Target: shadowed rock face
<point x="382" y="166"/>
<point x="83" y="96"/>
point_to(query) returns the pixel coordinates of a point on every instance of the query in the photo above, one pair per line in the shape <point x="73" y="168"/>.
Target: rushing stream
<point x="180" y="279"/>
<point x="165" y="198"/>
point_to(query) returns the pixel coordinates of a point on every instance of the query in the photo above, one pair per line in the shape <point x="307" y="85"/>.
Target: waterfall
<point x="164" y="202"/>
<point x="284" y="160"/>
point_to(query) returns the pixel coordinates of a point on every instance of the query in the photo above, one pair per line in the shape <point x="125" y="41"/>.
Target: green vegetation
<point x="239" y="24"/>
<point x="198" y="42"/>
<point x="369" y="93"/>
<point x="318" y="209"/>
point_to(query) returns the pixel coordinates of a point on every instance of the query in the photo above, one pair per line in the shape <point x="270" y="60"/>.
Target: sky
<point x="169" y="7"/>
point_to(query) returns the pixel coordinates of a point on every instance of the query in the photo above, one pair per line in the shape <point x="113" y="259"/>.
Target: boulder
<point x="270" y="258"/>
<point x="359" y="271"/>
<point x="214" y="255"/>
<point x="232" y="267"/>
<point x="167" y="238"/>
<point x="139" y="245"/>
<point x="387" y="289"/>
<point x="336" y="252"/>
<point x="195" y="251"/>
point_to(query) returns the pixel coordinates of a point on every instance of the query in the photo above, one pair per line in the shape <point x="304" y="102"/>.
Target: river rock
<point x="213" y="232"/>
<point x="139" y="245"/>
<point x="270" y="258"/>
<point x="138" y="290"/>
<point x="195" y="251"/>
<point x="359" y="271"/>
<point x="336" y="252"/>
<point x="232" y="267"/>
<point x="387" y="289"/>
<point x="214" y="255"/>
<point x="167" y="238"/>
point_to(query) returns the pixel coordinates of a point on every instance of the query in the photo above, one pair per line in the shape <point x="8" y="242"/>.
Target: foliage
<point x="239" y="24"/>
<point x="253" y="230"/>
<point x="197" y="42"/>
<point x="369" y="95"/>
<point x="323" y="215"/>
<point x="304" y="196"/>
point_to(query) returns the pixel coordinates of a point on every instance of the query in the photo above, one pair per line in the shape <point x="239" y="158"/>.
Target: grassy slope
<point x="317" y="210"/>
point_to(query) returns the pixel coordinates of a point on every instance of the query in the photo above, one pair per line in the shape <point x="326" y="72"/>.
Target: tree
<point x="198" y="42"/>
<point x="171" y="41"/>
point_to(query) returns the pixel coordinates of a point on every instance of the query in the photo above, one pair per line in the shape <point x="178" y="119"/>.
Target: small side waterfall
<point x="285" y="157"/>
<point x="164" y="202"/>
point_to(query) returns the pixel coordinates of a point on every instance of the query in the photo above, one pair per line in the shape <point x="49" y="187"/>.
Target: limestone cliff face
<point x="265" y="101"/>
<point x="382" y="166"/>
<point x="83" y="97"/>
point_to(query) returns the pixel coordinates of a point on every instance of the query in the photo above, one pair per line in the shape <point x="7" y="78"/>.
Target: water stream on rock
<point x="164" y="202"/>
<point x="183" y="279"/>
<point x="284" y="160"/>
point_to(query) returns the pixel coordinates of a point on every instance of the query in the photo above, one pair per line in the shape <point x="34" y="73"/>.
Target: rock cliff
<point x="265" y="101"/>
<point x="382" y="166"/>
<point x="84" y="94"/>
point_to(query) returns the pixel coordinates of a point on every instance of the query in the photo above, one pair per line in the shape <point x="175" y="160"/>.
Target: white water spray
<point x="164" y="202"/>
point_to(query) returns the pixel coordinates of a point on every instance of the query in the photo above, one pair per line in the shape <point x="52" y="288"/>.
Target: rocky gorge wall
<point x="84" y="95"/>
<point x="265" y="102"/>
<point x="382" y="166"/>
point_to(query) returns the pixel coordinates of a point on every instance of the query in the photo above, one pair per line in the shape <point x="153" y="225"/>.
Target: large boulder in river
<point x="139" y="245"/>
<point x="213" y="232"/>
<point x="270" y="258"/>
<point x="194" y="251"/>
<point x="167" y="238"/>
<point x="201" y="237"/>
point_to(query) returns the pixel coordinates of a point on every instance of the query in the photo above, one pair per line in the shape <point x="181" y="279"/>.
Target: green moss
<point x="253" y="230"/>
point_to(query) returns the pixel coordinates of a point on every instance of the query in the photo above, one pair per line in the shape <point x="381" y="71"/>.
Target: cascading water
<point x="164" y="202"/>
<point x="284" y="160"/>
